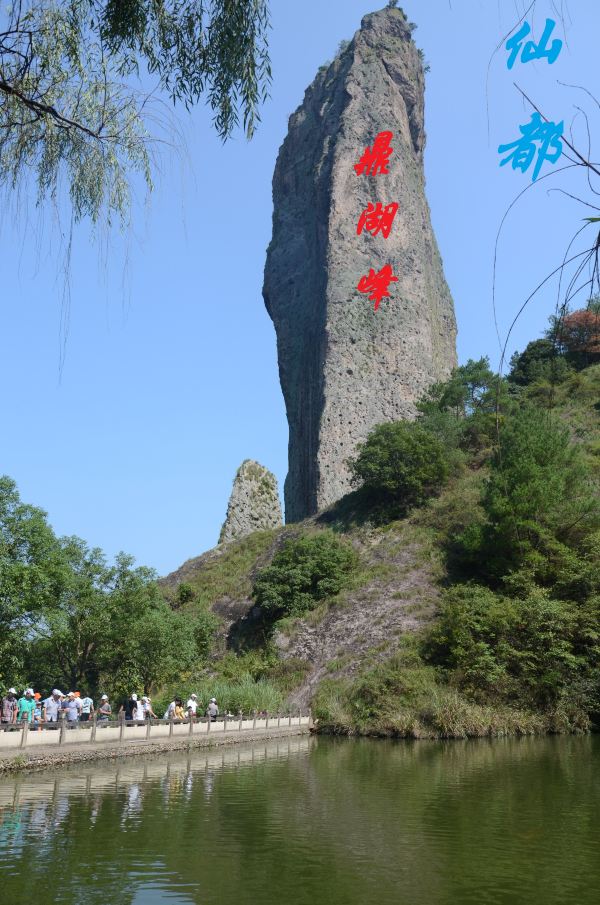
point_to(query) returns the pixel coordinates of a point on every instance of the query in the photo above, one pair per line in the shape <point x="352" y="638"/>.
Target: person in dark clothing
<point x="129" y="707"/>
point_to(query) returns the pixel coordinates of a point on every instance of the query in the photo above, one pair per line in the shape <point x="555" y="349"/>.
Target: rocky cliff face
<point x="343" y="366"/>
<point x="254" y="502"/>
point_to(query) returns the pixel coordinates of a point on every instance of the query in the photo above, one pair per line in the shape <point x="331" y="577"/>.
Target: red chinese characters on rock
<point x="376" y="159"/>
<point x="377" y="284"/>
<point x="376" y="218"/>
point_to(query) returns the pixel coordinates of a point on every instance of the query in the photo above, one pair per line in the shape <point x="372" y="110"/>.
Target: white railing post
<point x="24" y="734"/>
<point x="94" y="727"/>
<point x="254" y="720"/>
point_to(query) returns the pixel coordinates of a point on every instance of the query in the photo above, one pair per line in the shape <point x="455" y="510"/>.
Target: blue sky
<point x="170" y="376"/>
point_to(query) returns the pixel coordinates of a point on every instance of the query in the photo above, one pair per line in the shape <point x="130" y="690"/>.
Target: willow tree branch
<point x="47" y="110"/>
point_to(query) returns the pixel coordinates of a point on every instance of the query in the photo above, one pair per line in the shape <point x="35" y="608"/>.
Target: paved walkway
<point x="49" y="747"/>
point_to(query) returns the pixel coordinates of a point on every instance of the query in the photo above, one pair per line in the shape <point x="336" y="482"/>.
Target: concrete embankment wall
<point x="49" y="747"/>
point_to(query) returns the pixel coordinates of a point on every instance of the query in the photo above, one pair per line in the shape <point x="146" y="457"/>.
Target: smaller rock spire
<point x="254" y="502"/>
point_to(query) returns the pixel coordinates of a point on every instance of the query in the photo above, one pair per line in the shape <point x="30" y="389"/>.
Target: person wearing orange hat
<point x="37" y="712"/>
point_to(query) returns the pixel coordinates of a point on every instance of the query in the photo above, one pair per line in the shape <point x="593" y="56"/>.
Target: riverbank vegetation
<point x="454" y="592"/>
<point x="515" y="645"/>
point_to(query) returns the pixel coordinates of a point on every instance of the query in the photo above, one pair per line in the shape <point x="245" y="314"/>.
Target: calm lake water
<point x="308" y="821"/>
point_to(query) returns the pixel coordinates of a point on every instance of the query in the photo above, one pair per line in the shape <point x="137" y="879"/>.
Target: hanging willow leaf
<point x="69" y="105"/>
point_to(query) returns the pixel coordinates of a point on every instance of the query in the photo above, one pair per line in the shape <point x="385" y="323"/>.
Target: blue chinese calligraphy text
<point x="531" y="50"/>
<point x="537" y="136"/>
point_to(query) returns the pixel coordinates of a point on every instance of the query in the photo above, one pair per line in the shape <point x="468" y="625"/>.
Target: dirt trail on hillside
<point x="367" y="622"/>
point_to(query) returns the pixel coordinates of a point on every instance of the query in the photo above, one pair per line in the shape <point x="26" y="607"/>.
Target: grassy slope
<point x="355" y="656"/>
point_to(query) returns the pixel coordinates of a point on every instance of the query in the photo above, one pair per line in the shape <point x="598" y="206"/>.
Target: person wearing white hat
<point x="148" y="711"/>
<point x="26" y="707"/>
<point x="72" y="707"/>
<point x="192" y="705"/>
<point x="212" y="710"/>
<point x="8" y="713"/>
<point x="104" y="710"/>
<point x="51" y="707"/>
<point x="139" y="713"/>
<point x="129" y="707"/>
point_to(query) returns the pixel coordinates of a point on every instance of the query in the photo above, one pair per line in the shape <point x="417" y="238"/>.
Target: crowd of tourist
<point x="75" y="708"/>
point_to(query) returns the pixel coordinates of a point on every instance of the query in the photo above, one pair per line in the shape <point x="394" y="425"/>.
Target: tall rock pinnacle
<point x="343" y="366"/>
<point x="253" y="504"/>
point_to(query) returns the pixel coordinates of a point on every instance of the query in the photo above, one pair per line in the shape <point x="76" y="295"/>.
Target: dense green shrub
<point x="184" y="593"/>
<point x="305" y="571"/>
<point x="408" y="697"/>
<point x="400" y="465"/>
<point x="539" y="494"/>
<point x="534" y="652"/>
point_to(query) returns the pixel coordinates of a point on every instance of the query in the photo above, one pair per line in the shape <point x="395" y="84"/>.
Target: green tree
<point x="162" y="647"/>
<point x="31" y="570"/>
<point x="70" y="618"/>
<point x="539" y="493"/>
<point x="461" y="411"/>
<point x="88" y="631"/>
<point x="532" y="363"/>
<point x="470" y="388"/>
<point x="305" y="571"/>
<point x="71" y="101"/>
<point x="65" y="641"/>
<point x="535" y="652"/>
<point x="399" y="466"/>
<point x="541" y="361"/>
